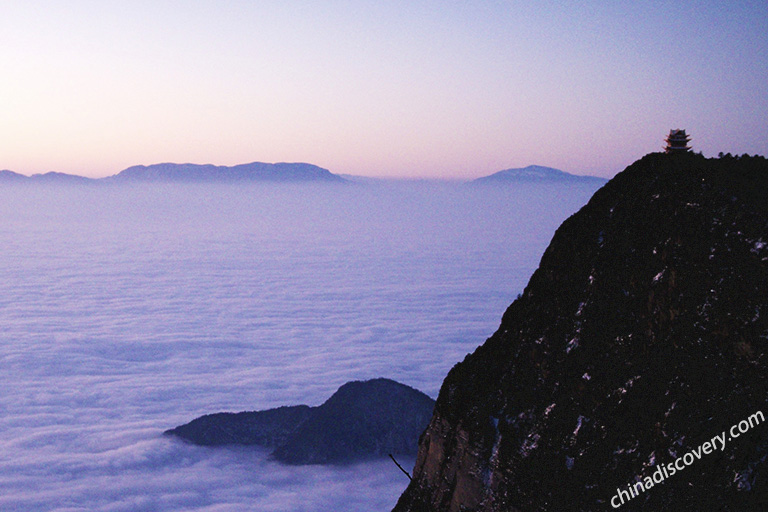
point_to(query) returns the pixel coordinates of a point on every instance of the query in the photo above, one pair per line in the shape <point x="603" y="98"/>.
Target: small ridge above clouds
<point x="535" y="174"/>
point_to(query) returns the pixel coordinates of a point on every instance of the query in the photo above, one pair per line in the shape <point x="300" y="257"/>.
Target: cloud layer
<point x="129" y="311"/>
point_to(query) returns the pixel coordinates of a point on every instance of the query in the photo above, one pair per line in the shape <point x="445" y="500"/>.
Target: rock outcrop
<point x="643" y="334"/>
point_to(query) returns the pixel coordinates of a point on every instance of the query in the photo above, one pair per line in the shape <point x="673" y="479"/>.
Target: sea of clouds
<point x="125" y="311"/>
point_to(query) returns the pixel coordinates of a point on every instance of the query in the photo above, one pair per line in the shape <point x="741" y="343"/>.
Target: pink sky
<point x="417" y="89"/>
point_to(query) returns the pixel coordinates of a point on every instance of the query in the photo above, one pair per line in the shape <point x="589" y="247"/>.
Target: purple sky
<point x="411" y="88"/>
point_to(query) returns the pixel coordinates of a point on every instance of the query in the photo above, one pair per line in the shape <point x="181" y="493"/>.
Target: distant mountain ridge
<point x="254" y="171"/>
<point x="535" y="174"/>
<point x="190" y="173"/>
<point x="276" y="172"/>
<point x="49" y="177"/>
<point x="7" y="176"/>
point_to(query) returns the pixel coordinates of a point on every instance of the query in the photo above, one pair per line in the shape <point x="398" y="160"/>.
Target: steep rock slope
<point x="642" y="334"/>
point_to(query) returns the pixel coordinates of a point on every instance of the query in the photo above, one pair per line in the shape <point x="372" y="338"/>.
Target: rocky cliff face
<point x="642" y="335"/>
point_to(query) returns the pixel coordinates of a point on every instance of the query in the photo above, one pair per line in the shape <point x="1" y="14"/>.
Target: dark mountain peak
<point x="641" y="335"/>
<point x="366" y="389"/>
<point x="361" y="420"/>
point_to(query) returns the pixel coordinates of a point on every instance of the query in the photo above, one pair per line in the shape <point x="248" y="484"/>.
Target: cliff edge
<point x="641" y="336"/>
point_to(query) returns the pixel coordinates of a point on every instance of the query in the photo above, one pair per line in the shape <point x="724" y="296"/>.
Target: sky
<point x="416" y="88"/>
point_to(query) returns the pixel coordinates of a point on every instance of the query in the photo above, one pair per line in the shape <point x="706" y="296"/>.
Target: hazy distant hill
<point x="7" y="176"/>
<point x="256" y="171"/>
<point x="190" y="173"/>
<point x="536" y="174"/>
<point x="49" y="177"/>
<point x="60" y="177"/>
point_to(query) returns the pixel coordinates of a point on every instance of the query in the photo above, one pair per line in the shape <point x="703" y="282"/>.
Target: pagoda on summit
<point x="677" y="142"/>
